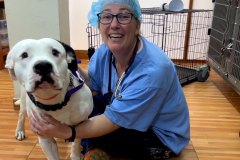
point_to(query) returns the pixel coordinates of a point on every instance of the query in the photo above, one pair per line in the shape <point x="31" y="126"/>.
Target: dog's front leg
<point x="49" y="147"/>
<point x="75" y="150"/>
<point x="20" y="130"/>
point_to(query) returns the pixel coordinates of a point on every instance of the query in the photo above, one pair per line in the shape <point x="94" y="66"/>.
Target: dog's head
<point x="42" y="63"/>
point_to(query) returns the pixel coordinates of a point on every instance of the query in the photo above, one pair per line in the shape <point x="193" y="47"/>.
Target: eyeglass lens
<point x="122" y="18"/>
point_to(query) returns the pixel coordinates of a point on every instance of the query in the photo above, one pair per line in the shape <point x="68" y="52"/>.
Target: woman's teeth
<point x="115" y="36"/>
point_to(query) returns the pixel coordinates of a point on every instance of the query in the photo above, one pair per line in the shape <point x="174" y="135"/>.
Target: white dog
<point x="47" y="71"/>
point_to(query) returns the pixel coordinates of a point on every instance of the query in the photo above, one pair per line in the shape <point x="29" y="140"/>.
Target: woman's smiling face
<point x="119" y="37"/>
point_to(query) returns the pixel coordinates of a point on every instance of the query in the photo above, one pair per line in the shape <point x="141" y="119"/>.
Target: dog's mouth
<point x="46" y="82"/>
<point x="46" y="78"/>
<point x="44" y="85"/>
<point x="46" y="89"/>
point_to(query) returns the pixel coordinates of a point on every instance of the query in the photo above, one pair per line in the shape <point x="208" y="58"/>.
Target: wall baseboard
<point x="81" y="54"/>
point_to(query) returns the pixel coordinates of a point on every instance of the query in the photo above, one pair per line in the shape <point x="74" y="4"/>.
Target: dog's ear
<point x="71" y="57"/>
<point x="10" y="64"/>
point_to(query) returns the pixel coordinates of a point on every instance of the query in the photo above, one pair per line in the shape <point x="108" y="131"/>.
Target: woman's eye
<point x="24" y="55"/>
<point x="106" y="17"/>
<point x="55" y="52"/>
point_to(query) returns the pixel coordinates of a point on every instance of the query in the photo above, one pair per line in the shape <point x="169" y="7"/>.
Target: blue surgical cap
<point x="98" y="5"/>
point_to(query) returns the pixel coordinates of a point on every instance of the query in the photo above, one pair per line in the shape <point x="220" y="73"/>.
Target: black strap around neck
<point x="45" y="107"/>
<point x="130" y="63"/>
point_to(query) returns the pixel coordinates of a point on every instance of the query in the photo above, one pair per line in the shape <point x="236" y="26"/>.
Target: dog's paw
<point x="20" y="135"/>
<point x="18" y="102"/>
<point x="76" y="156"/>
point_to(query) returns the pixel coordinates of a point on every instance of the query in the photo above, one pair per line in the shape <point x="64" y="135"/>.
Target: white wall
<point x="78" y="17"/>
<point x="78" y="10"/>
<point x="37" y="19"/>
<point x="203" y="4"/>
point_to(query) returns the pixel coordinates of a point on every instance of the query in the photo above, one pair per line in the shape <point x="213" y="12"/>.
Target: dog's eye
<point x="55" y="52"/>
<point x="24" y="55"/>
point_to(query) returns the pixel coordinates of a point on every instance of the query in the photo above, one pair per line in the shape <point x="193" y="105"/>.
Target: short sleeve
<point x="98" y="68"/>
<point x="93" y="77"/>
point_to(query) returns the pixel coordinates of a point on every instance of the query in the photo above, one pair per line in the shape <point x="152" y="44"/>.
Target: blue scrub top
<point x="150" y="95"/>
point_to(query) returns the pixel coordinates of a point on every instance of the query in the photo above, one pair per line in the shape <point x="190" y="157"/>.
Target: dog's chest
<point x="69" y="114"/>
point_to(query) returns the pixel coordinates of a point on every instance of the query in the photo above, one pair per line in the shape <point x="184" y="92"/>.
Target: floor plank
<point x="215" y="120"/>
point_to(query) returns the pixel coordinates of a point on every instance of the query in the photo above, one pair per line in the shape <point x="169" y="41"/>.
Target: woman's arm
<point x="94" y="127"/>
<point x="49" y="127"/>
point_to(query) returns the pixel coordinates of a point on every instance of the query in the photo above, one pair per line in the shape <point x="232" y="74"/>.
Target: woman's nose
<point x="114" y="22"/>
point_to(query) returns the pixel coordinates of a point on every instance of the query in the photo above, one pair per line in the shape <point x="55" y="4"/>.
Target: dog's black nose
<point x="43" y="68"/>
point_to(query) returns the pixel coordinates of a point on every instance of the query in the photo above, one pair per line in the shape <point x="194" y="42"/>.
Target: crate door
<point x="221" y="38"/>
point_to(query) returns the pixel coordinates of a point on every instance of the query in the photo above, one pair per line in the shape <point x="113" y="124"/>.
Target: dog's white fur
<point x="20" y="62"/>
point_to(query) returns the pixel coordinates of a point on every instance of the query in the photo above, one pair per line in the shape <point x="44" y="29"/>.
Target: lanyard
<point x="120" y="80"/>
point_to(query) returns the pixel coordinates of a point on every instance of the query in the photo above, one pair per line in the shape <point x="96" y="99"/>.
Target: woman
<point x="140" y="109"/>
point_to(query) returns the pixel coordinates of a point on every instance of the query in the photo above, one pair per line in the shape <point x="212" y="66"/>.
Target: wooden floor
<point x="214" y="115"/>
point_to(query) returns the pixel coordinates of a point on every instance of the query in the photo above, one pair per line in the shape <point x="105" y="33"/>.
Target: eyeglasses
<point x="122" y="18"/>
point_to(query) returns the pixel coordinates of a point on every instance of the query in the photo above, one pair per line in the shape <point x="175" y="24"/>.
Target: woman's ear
<point x="137" y="32"/>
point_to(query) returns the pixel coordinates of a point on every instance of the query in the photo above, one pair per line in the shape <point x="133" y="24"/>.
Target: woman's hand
<point x="46" y="126"/>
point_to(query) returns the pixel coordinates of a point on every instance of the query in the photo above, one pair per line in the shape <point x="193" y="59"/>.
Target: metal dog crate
<point x="182" y="35"/>
<point x="224" y="46"/>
